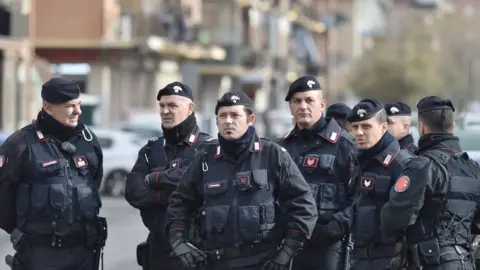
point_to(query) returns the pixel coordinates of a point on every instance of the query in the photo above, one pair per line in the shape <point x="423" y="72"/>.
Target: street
<point x="125" y="231"/>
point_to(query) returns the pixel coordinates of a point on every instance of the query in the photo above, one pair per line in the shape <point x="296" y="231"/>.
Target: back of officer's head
<point x="435" y="115"/>
<point x="369" y="122"/>
<point x="306" y="101"/>
<point x="61" y="100"/>
<point x="176" y="104"/>
<point x="234" y="111"/>
<point x="399" y="119"/>
<point x="339" y="112"/>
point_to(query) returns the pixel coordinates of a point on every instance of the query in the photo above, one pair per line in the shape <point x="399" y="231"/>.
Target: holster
<point x="142" y="254"/>
<point x="101" y="240"/>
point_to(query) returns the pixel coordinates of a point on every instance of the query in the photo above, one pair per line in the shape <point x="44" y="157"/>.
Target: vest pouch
<point x="50" y="168"/>
<point x="365" y="224"/>
<point x="328" y="197"/>
<point x="87" y="204"/>
<point x="22" y="199"/>
<point x="216" y="218"/>
<point x="260" y="177"/>
<point x="382" y="186"/>
<point x="249" y="221"/>
<point x="326" y="163"/>
<point x="58" y="196"/>
<point x="92" y="159"/>
<point x="39" y="198"/>
<point x="429" y="252"/>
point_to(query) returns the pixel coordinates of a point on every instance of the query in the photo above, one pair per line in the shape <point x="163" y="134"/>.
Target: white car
<point x="120" y="150"/>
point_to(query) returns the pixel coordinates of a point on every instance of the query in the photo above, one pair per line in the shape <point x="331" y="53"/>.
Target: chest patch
<point x="176" y="163"/>
<point x="80" y="162"/>
<point x="367" y="183"/>
<point x="49" y="163"/>
<point x="310" y="162"/>
<point x="214" y="185"/>
<point x="2" y="161"/>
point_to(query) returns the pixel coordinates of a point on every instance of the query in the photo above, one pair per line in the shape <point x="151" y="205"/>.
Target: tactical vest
<point x="154" y="218"/>
<point x="373" y="192"/>
<point x="57" y="188"/>
<point x="317" y="165"/>
<point x="239" y="204"/>
<point x="449" y="214"/>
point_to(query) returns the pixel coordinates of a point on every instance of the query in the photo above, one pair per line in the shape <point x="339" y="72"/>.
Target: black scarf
<point x="49" y="126"/>
<point x="311" y="133"/>
<point x="365" y="156"/>
<point x="234" y="148"/>
<point x="178" y="133"/>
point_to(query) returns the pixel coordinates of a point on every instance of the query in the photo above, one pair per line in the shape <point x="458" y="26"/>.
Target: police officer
<point x="399" y="121"/>
<point x="339" y="112"/>
<point x="237" y="184"/>
<point x="381" y="162"/>
<point x="436" y="197"/>
<point x="54" y="169"/>
<point x="158" y="169"/>
<point x="327" y="158"/>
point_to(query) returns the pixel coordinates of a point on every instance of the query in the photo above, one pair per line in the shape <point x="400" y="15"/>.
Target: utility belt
<point x="429" y="253"/>
<point x="377" y="251"/>
<point x="238" y="252"/>
<point x="19" y="239"/>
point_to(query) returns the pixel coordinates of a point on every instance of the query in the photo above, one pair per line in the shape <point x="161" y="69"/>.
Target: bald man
<point x="399" y="122"/>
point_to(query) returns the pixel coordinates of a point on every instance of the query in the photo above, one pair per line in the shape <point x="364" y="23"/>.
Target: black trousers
<point x="48" y="258"/>
<point x="320" y="258"/>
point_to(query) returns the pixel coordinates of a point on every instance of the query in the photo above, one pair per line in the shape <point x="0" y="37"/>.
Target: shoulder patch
<point x="402" y="184"/>
<point x="3" y="160"/>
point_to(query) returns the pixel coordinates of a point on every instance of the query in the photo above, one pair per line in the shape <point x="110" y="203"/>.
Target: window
<point x="105" y="142"/>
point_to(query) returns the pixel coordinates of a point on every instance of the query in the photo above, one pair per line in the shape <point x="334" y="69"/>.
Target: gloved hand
<point x="326" y="235"/>
<point x="189" y="255"/>
<point x="284" y="256"/>
<point x="158" y="180"/>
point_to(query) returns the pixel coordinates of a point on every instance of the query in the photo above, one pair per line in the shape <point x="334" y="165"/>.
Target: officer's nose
<point x="77" y="110"/>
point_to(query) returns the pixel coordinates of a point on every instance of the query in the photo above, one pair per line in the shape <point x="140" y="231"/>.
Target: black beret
<point x="397" y="108"/>
<point x="365" y="109"/>
<point x="60" y="90"/>
<point x="338" y="111"/>
<point x="177" y="89"/>
<point x="232" y="99"/>
<point x="431" y="103"/>
<point x="303" y="84"/>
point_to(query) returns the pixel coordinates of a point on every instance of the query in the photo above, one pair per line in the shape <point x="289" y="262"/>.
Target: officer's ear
<point x="191" y="108"/>
<point x="47" y="107"/>
<point x="251" y="119"/>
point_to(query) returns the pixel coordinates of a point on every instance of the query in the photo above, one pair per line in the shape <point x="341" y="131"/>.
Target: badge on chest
<point x="176" y="163"/>
<point x="80" y="162"/>
<point x="310" y="162"/>
<point x="367" y="183"/>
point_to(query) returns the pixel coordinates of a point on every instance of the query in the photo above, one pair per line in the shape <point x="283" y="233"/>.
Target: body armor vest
<point x="57" y="189"/>
<point x="449" y="214"/>
<point x="373" y="192"/>
<point x="239" y="203"/>
<point x="317" y="164"/>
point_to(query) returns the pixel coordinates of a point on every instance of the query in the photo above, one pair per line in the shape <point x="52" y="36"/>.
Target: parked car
<point x="120" y="150"/>
<point x="3" y="137"/>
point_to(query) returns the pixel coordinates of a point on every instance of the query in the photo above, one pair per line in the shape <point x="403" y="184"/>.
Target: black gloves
<point x="159" y="180"/>
<point x="188" y="253"/>
<point x="326" y="235"/>
<point x="290" y="247"/>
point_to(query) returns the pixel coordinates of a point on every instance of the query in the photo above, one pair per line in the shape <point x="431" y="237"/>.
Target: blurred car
<point x="144" y="131"/>
<point x="3" y="137"/>
<point x="120" y="150"/>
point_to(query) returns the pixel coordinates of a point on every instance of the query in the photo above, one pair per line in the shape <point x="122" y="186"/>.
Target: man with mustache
<point x="158" y="169"/>
<point x="399" y="121"/>
<point x="52" y="170"/>
<point x="238" y="185"/>
<point x="381" y="161"/>
<point x="326" y="156"/>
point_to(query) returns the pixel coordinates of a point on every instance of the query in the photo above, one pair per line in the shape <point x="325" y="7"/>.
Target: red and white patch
<point x="214" y="185"/>
<point x="310" y="162"/>
<point x="49" y="163"/>
<point x="402" y="184"/>
<point x="80" y="162"/>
